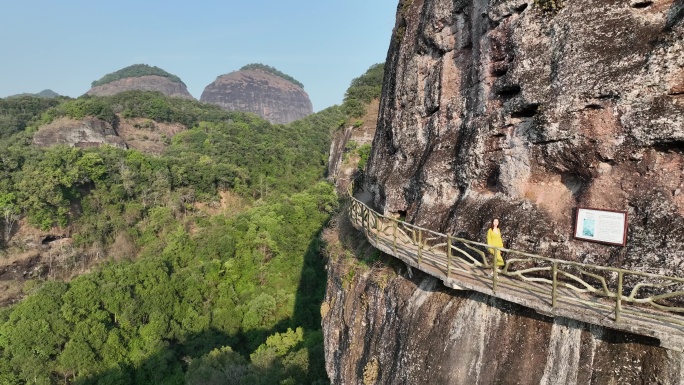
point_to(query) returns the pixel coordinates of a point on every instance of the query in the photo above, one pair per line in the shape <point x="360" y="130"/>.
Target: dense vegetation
<point x="204" y="262"/>
<point x="363" y="90"/>
<point x="17" y="112"/>
<point x="271" y="70"/>
<point x="194" y="296"/>
<point x="135" y="70"/>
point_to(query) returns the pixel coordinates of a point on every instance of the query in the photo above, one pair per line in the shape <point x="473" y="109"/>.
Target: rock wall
<point x="271" y="97"/>
<point x="342" y="169"/>
<point x="142" y="83"/>
<point x="87" y="132"/>
<point x="525" y="110"/>
<point x="522" y="110"/>
<point x="384" y="328"/>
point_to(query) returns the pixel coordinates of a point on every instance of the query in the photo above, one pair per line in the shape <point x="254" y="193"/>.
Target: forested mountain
<point x="136" y="70"/>
<point x="202" y="265"/>
<point x="140" y="77"/>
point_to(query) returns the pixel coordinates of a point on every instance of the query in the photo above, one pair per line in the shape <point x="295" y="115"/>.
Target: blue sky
<point x="65" y="45"/>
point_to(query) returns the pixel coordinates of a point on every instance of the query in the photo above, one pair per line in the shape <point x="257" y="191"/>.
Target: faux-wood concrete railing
<point x="643" y="298"/>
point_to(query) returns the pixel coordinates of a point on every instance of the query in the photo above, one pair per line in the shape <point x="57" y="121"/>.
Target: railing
<point x="651" y="296"/>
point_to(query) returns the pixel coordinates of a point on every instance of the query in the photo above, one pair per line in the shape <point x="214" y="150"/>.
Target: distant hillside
<point x="47" y="94"/>
<point x="134" y="71"/>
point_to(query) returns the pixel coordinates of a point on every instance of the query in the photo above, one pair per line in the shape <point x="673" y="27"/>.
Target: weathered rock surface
<point x="141" y="134"/>
<point x="384" y="328"/>
<point x="342" y="170"/>
<point x="518" y="110"/>
<point x="269" y="96"/>
<point x="87" y="132"/>
<point x="510" y="109"/>
<point x="142" y="83"/>
<point x="147" y="135"/>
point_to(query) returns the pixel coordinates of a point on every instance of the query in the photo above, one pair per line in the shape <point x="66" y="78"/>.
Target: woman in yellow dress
<point x="494" y="239"/>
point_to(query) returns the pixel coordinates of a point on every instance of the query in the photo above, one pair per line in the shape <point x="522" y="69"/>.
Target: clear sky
<point x="65" y="45"/>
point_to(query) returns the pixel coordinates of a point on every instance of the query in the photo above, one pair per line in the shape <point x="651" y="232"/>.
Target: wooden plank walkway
<point x="464" y="274"/>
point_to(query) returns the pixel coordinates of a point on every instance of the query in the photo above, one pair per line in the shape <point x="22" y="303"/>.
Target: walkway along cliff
<point x="646" y="304"/>
<point x="395" y="325"/>
<point x="521" y="110"/>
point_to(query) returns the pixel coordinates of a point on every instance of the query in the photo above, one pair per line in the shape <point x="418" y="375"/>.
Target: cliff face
<point x="88" y="132"/>
<point x="141" y="134"/>
<point x="522" y="110"/>
<point x="526" y="110"/>
<point x="384" y="328"/>
<point x="271" y="97"/>
<point x="342" y="168"/>
<point x="142" y="83"/>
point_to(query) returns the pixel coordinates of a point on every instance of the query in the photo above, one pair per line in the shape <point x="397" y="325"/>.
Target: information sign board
<point x="604" y="226"/>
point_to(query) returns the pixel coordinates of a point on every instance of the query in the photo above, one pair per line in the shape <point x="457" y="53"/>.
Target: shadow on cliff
<point x="674" y="15"/>
<point x="170" y="364"/>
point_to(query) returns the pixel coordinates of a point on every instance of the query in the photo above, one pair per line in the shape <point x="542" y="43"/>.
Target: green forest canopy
<point x="272" y="70"/>
<point x="185" y="296"/>
<point x="363" y="90"/>
<point x="136" y="70"/>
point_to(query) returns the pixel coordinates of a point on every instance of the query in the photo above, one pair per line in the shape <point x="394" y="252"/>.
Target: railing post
<point x="377" y="228"/>
<point x="394" y="236"/>
<point x="363" y="218"/>
<point x="420" y="245"/>
<point x="495" y="273"/>
<point x="618" y="297"/>
<point x="554" y="290"/>
<point x="448" y="256"/>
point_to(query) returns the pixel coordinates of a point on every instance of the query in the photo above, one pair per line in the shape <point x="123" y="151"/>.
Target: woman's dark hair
<point x="491" y="224"/>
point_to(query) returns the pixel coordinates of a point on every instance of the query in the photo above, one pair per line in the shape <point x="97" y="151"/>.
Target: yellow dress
<point x="494" y="239"/>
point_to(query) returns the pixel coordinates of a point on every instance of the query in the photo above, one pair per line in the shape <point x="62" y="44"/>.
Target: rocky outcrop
<point x="142" y="83"/>
<point x="525" y="110"/>
<point x="342" y="168"/>
<point x="269" y="96"/>
<point x="381" y="327"/>
<point x="146" y="135"/>
<point x="141" y="134"/>
<point x="87" y="132"/>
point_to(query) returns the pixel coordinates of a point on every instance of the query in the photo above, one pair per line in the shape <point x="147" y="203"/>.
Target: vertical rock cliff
<point x="522" y="110"/>
<point x="526" y="110"/>
<point x="342" y="169"/>
<point x="384" y="328"/>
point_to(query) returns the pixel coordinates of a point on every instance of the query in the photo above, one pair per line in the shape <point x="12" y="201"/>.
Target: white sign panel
<point x="601" y="226"/>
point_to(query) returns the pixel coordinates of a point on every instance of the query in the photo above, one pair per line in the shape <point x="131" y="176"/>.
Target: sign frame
<point x="587" y="228"/>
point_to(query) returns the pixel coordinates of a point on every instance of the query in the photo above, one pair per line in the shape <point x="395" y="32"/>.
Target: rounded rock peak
<point x="268" y="95"/>
<point x="140" y="77"/>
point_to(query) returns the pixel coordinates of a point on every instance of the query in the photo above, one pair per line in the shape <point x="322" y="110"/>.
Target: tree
<point x="10" y="212"/>
<point x="220" y="366"/>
